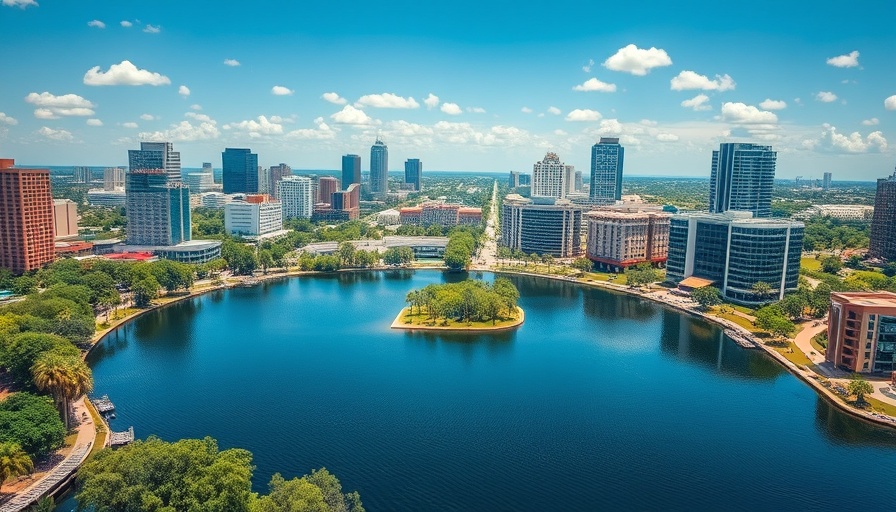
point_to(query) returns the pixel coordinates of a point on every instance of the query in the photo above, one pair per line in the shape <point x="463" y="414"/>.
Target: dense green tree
<point x="641" y="274"/>
<point x="761" y="289"/>
<point x="26" y="348"/>
<point x="266" y="260"/>
<point x="772" y="319"/>
<point x="346" y="253"/>
<point x="31" y="422"/>
<point x="794" y="304"/>
<point x="23" y="285"/>
<point x="172" y="275"/>
<point x="66" y="377"/>
<point x="889" y="269"/>
<point x="583" y="264"/>
<point x="466" y="301"/>
<point x="319" y="491"/>
<point x="707" y="296"/>
<point x="145" y="290"/>
<point x="830" y="264"/>
<point x="859" y="387"/>
<point x="398" y="256"/>
<point x="240" y="258"/>
<point x="13" y="462"/>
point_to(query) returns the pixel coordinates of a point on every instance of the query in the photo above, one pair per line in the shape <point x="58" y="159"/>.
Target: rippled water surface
<point x="598" y="401"/>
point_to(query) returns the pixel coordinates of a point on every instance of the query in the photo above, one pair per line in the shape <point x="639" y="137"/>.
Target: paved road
<point x="488" y="253"/>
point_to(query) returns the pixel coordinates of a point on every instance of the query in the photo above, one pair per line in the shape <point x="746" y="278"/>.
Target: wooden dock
<point x="122" y="438"/>
<point x="103" y="404"/>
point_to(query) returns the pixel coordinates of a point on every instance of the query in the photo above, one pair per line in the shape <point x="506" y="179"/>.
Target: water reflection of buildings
<point x="843" y="428"/>
<point x="615" y="307"/>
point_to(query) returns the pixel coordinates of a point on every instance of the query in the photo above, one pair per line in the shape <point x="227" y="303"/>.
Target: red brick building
<point x="26" y="218"/>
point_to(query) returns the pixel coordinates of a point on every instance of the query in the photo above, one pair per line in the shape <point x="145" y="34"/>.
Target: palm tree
<point x="13" y="462"/>
<point x="67" y="378"/>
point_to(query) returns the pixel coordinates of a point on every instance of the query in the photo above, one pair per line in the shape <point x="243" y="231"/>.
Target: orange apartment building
<point x="862" y="331"/>
<point x="26" y="218"/>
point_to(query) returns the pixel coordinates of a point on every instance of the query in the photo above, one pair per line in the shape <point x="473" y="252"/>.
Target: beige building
<point x="65" y="218"/>
<point x="862" y="331"/>
<point x="618" y="239"/>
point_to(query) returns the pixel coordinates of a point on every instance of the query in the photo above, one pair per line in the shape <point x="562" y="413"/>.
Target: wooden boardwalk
<point x="57" y="476"/>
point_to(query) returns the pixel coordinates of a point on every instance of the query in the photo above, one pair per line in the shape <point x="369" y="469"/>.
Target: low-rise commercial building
<point x="854" y="212"/>
<point x="107" y="198"/>
<point x="862" y="331"/>
<point x="441" y="214"/>
<point x="542" y="226"/>
<point x="253" y="217"/>
<point x="618" y="239"/>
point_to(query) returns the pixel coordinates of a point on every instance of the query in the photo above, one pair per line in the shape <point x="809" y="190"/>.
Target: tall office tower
<point x="742" y="178"/>
<point x="26" y="218"/>
<point x="826" y="183"/>
<point x="550" y="177"/>
<point x="351" y="170"/>
<point x="883" y="224"/>
<point x="264" y="181"/>
<point x="326" y="185"/>
<point x="217" y="174"/>
<point x="156" y="155"/>
<point x="81" y="175"/>
<point x="65" y="218"/>
<point x="541" y="225"/>
<point x="277" y="173"/>
<point x="379" y="169"/>
<point x="158" y="209"/>
<point x="199" y="182"/>
<point x="514" y="180"/>
<point x="295" y="197"/>
<point x="240" y="171"/>
<point x="113" y="178"/>
<point x="413" y="173"/>
<point x="607" y="157"/>
<point x="577" y="182"/>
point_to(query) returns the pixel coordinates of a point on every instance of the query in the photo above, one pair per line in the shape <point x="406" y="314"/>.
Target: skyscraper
<point x="326" y="186"/>
<point x="295" y="197"/>
<point x="551" y="178"/>
<point x="413" y="172"/>
<point x="158" y="209"/>
<point x="240" y="171"/>
<point x="156" y="155"/>
<point x="351" y="170"/>
<point x="113" y="178"/>
<point x="277" y="173"/>
<point x="379" y="169"/>
<point x="607" y="158"/>
<point x="26" y="218"/>
<point x="81" y="175"/>
<point x="826" y="182"/>
<point x="883" y="224"/>
<point x="742" y="178"/>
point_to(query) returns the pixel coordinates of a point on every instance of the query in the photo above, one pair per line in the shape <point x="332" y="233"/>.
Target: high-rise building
<point x="240" y="171"/>
<point x="577" y="182"/>
<point x="542" y="225"/>
<point x="607" y="158"/>
<point x="742" y="178"/>
<point x="113" y="179"/>
<point x="735" y="251"/>
<point x="65" y="218"/>
<point x="379" y="169"/>
<point x="826" y="182"/>
<point x="618" y="239"/>
<point x="81" y="175"/>
<point x="264" y="181"/>
<point x="253" y="217"/>
<point x="883" y="223"/>
<point x="346" y="203"/>
<point x="26" y="218"/>
<point x="156" y="155"/>
<point x="158" y="210"/>
<point x="514" y="180"/>
<point x="552" y="178"/>
<point x="277" y="173"/>
<point x="294" y="193"/>
<point x="199" y="182"/>
<point x="351" y="170"/>
<point x="413" y="172"/>
<point x="326" y="186"/>
<point x="862" y="332"/>
<point x="217" y="174"/>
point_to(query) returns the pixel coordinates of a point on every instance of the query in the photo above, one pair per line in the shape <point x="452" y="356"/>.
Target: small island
<point x="470" y="305"/>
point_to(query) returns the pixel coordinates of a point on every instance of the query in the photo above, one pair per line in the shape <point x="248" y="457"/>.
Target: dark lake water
<point x="598" y="401"/>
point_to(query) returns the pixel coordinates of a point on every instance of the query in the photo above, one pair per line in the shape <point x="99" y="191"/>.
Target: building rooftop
<point x="867" y="299"/>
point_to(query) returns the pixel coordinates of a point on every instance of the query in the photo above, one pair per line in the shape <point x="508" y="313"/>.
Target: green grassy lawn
<point x="739" y="320"/>
<point x="603" y="276"/>
<point x="883" y="407"/>
<point x="743" y="309"/>
<point x="810" y="263"/>
<point x="422" y="319"/>
<point x="794" y="355"/>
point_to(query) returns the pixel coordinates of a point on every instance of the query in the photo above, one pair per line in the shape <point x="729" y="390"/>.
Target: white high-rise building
<point x="199" y="182"/>
<point x="252" y="219"/>
<point x="552" y="178"/>
<point x="113" y="178"/>
<point x="295" y="193"/>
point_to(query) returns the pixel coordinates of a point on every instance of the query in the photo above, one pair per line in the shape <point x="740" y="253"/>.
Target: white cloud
<point x="476" y="110"/>
<point x="5" y="119"/>
<point x="890" y="103"/>
<point x="20" y="3"/>
<point x="698" y="103"/>
<point x="854" y="142"/>
<point x="279" y="90"/>
<point x="126" y="24"/>
<point x="637" y="61"/>
<point x="147" y="117"/>
<point x="323" y="131"/>
<point x="587" y="67"/>
<point x="526" y="110"/>
<point x="52" y="106"/>
<point x="231" y="62"/>
<point x="554" y="110"/>
<point x="850" y="60"/>
<point x="740" y="113"/>
<point x="666" y="137"/>
<point x="770" y="104"/>
<point x="583" y="115"/>
<point x="451" y="109"/>
<point x="260" y="125"/>
<point x="124" y="73"/>
<point x="648" y="122"/>
<point x="871" y="122"/>
<point x="183" y="91"/>
<point x="610" y="127"/>
<point x="96" y="23"/>
<point x="281" y="119"/>
<point x="205" y="128"/>
<point x="152" y="29"/>
<point x="45" y="113"/>
<point x="195" y="106"/>
<point x="387" y="100"/>
<point x="431" y="101"/>
<point x="353" y="116"/>
<point x="826" y="97"/>
<point x="60" y="135"/>
<point x="593" y="84"/>
<point x="334" y="98"/>
<point x="129" y="124"/>
<point x="689" y="80"/>
<point x="94" y="122"/>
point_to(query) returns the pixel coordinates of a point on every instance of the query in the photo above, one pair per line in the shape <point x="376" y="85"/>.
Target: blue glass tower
<point x="240" y="171"/>
<point x="606" y="171"/>
<point x="379" y="169"/>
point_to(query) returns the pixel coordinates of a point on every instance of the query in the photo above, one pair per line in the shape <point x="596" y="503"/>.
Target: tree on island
<point x="13" y="462"/>
<point x="466" y="301"/>
<point x="859" y="387"/>
<point x="707" y="296"/>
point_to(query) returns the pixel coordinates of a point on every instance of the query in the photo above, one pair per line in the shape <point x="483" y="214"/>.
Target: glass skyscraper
<point x="158" y="210"/>
<point x="379" y="169"/>
<point x="156" y="155"/>
<point x="240" y="168"/>
<point x="351" y="170"/>
<point x="742" y="178"/>
<point x="607" y="157"/>
<point x="413" y="169"/>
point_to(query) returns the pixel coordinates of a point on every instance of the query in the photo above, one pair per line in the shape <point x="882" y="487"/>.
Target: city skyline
<point x="671" y="85"/>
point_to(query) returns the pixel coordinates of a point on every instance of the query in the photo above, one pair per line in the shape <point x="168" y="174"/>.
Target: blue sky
<point x="485" y="86"/>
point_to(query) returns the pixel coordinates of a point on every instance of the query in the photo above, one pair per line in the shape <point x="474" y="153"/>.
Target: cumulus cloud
<point x="60" y="135"/>
<point x="890" y="103"/>
<point x="826" y="97"/>
<point x="322" y="131"/>
<point x="94" y="122"/>
<point x="740" y="113"/>
<point x="666" y="137"/>
<point x="195" y="127"/>
<point x="279" y="90"/>
<point x="195" y="106"/>
<point x="334" y="98"/>
<point x="554" y="110"/>
<point x="770" y="104"/>
<point x="51" y="106"/>
<point x="231" y="62"/>
<point x="587" y="67"/>
<point x="637" y="61"/>
<point x="387" y="100"/>
<point x="698" y="103"/>
<point x="593" y="84"/>
<point x="96" y="23"/>
<point x="353" y="116"/>
<point x="854" y="142"/>
<point x="5" y="119"/>
<point x="451" y="109"/>
<point x="260" y="126"/>
<point x="124" y="73"/>
<point x="871" y="122"/>
<point x="152" y="29"/>
<point x="281" y="119"/>
<point x="183" y="91"/>
<point x="526" y="110"/>
<point x="583" y="115"/>
<point x="431" y="101"/>
<point x="476" y="110"/>
<point x="129" y="124"/>
<point x="850" y="60"/>
<point x="126" y="24"/>
<point x="20" y="3"/>
<point x="45" y="113"/>
<point x="147" y="117"/>
<point x="689" y="80"/>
